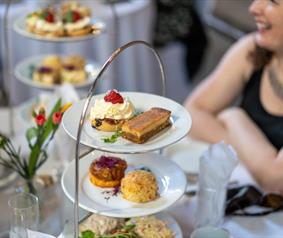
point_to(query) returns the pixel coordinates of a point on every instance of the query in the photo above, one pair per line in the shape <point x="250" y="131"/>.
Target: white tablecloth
<point x="270" y="226"/>
<point x="132" y="70"/>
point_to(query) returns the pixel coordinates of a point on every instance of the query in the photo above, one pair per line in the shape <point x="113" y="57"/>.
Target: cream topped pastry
<point x="47" y="24"/>
<point x="109" y="113"/>
<point x="76" y="24"/>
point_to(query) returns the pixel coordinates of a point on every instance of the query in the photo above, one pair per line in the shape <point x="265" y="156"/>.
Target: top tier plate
<point x="19" y="27"/>
<point x="180" y="119"/>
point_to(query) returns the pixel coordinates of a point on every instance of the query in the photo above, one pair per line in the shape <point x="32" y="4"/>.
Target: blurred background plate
<point x="19" y="27"/>
<point x="24" y="70"/>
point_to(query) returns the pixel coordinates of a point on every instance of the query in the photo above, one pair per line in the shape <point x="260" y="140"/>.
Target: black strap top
<point x="272" y="126"/>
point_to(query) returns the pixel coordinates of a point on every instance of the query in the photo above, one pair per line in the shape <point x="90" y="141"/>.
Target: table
<point x="132" y="70"/>
<point x="269" y="226"/>
<point x="58" y="209"/>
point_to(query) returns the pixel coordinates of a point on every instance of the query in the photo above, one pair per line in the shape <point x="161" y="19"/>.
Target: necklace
<point x="276" y="85"/>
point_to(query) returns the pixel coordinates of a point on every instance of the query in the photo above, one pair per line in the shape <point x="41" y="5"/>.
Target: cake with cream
<point x="76" y="24"/>
<point x="110" y="112"/>
<point x="46" y="24"/>
<point x="71" y="19"/>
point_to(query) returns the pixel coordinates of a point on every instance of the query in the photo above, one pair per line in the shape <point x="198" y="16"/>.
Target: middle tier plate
<point x="180" y="119"/>
<point x="171" y="182"/>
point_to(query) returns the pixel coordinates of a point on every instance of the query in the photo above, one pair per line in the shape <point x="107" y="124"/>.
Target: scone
<point x="111" y="112"/>
<point x="73" y="70"/>
<point x="107" y="171"/>
<point x="46" y="76"/>
<point x="139" y="186"/>
<point x="52" y="61"/>
<point x="142" y="127"/>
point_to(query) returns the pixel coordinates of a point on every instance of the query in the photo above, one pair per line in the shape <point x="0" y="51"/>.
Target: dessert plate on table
<point x="180" y="119"/>
<point x="24" y="70"/>
<point x="170" y="178"/>
<point x="19" y="26"/>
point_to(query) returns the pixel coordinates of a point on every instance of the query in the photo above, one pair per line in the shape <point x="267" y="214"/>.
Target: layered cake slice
<point x="139" y="129"/>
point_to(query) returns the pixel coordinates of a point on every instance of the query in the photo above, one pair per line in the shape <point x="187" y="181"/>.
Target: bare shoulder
<point x="237" y="58"/>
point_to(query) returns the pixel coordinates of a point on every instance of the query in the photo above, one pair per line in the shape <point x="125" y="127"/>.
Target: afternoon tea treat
<point x="31" y="20"/>
<point x="73" y="69"/>
<point x="55" y="70"/>
<point x="72" y="19"/>
<point x="107" y="171"/>
<point x="76" y="24"/>
<point x="139" y="186"/>
<point x="52" y="61"/>
<point x="142" y="127"/>
<point x="72" y="5"/>
<point x="46" y="75"/>
<point x="110" y="112"/>
<point x="101" y="225"/>
<point x="46" y="24"/>
<point x="150" y="227"/>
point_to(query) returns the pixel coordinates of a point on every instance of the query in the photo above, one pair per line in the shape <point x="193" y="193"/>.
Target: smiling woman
<point x="252" y="69"/>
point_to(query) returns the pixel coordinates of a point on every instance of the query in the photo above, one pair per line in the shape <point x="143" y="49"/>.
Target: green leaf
<point x="88" y="234"/>
<point x="113" y="138"/>
<point x="31" y="133"/>
<point x="69" y="17"/>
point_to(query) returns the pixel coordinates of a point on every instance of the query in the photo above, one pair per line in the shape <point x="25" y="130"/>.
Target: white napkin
<point x="216" y="166"/>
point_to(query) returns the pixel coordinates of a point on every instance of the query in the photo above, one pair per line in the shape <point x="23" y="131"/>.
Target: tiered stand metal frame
<point x="84" y="113"/>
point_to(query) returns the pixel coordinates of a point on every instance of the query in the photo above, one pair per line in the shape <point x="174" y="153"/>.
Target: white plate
<point x="23" y="72"/>
<point x="186" y="154"/>
<point x="180" y="118"/>
<point x="171" y="181"/>
<point x="20" y="27"/>
<point x="169" y="221"/>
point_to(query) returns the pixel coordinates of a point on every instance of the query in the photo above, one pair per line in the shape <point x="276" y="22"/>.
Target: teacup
<point x="210" y="232"/>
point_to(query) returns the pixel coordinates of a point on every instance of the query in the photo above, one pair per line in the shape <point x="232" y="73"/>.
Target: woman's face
<point x="268" y="15"/>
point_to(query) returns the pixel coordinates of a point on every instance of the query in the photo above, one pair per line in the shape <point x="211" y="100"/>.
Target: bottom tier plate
<point x="170" y="222"/>
<point x="171" y="181"/>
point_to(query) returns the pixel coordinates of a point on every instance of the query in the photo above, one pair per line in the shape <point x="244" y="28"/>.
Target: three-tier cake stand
<point x="172" y="181"/>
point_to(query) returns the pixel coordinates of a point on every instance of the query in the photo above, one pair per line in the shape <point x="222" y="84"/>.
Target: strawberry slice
<point x="76" y="16"/>
<point x="49" y="17"/>
<point x="113" y="97"/>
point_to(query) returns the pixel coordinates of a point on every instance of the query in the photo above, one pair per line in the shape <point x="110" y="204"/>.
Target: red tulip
<point x="40" y="119"/>
<point x="56" y="118"/>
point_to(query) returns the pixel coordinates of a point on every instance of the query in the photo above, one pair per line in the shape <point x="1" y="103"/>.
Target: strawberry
<point x="113" y="97"/>
<point x="76" y="16"/>
<point x="49" y="17"/>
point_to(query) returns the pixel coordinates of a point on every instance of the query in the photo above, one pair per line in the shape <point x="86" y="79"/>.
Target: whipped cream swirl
<point x="78" y="24"/>
<point x="118" y="111"/>
<point x="46" y="26"/>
